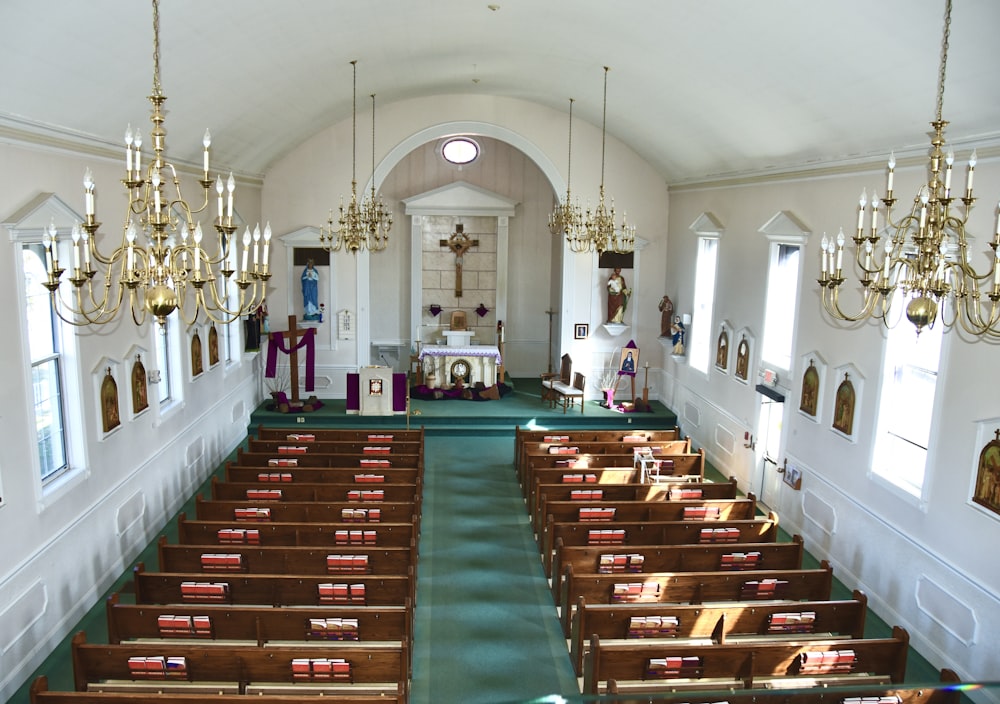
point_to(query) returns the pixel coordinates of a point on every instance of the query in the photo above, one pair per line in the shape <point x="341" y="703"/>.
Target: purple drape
<point x="276" y="341"/>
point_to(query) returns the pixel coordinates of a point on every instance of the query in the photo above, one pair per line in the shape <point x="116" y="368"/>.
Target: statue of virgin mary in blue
<point x="310" y="293"/>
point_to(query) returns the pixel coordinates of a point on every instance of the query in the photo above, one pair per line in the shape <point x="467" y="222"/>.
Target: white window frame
<point x="27" y="228"/>
<point x="782" y="229"/>
<point x="171" y="375"/>
<point x="703" y="308"/>
<point x="898" y="364"/>
<point x="780" y="307"/>
<point x="699" y="335"/>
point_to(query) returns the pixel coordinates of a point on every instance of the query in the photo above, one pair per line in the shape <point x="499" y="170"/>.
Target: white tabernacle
<point x="458" y="338"/>
<point x="438" y="362"/>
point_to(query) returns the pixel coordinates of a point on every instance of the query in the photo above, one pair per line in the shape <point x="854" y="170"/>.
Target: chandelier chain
<point x="157" y="88"/>
<point x="944" y="59"/>
<point x="604" y="124"/>
<point x="354" y="127"/>
<point x="569" y="155"/>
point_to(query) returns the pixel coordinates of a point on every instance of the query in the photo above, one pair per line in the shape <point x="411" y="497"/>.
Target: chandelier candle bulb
<point x="840" y="251"/>
<point x="197" y="250"/>
<point x="47" y="243"/>
<point x="246" y="249"/>
<point x="86" y="250"/>
<point x="875" y="204"/>
<point x="267" y="243"/>
<point x="256" y="247"/>
<point x="892" y="167"/>
<point x="862" y="202"/>
<point x="75" y="234"/>
<point x="138" y="154"/>
<point x="128" y="151"/>
<point x="88" y="185"/>
<point x="972" y="171"/>
<point x="207" y="140"/>
<point x="218" y="189"/>
<point x="949" y="160"/>
<point x="230" y="187"/>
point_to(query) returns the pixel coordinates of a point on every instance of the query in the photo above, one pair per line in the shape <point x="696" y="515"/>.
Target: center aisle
<point x="485" y="626"/>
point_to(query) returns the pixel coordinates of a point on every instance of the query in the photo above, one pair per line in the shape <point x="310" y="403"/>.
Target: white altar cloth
<point x="437" y="361"/>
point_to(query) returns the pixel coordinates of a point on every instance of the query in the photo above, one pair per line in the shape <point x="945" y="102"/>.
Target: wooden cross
<point x="459" y="243"/>
<point x="293" y="356"/>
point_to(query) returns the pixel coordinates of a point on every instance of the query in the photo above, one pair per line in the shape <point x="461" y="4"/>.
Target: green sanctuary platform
<point x="523" y="407"/>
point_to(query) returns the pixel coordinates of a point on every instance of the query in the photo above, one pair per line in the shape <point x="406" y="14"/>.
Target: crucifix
<point x="291" y="336"/>
<point x="459" y="243"/>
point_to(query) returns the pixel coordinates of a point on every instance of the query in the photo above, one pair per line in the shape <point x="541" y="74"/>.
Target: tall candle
<point x="207" y="140"/>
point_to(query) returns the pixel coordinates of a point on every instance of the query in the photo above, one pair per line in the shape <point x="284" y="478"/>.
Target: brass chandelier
<point x="599" y="232"/>
<point x="567" y="218"/>
<point x="149" y="266"/>
<point x="363" y="225"/>
<point x="924" y="254"/>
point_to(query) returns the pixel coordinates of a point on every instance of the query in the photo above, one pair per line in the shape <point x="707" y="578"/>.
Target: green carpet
<point x="486" y="627"/>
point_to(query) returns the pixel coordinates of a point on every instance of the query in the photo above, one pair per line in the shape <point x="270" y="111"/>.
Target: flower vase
<point x="609" y="398"/>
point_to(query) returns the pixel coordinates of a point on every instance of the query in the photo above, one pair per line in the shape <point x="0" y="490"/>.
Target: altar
<point x="444" y="364"/>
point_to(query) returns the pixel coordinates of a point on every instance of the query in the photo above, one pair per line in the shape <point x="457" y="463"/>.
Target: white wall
<point x="524" y="160"/>
<point x="65" y="546"/>
<point x="928" y="568"/>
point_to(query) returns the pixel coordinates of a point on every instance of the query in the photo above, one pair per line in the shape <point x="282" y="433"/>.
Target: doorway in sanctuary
<point x="766" y="480"/>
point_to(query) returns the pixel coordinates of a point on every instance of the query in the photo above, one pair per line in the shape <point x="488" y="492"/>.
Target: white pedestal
<point x="458" y="338"/>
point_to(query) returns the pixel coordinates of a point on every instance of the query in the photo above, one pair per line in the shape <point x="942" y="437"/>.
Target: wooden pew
<point x="206" y="532"/>
<point x="682" y="465"/>
<point x="732" y="557"/>
<point x="273" y="589"/>
<point x="718" y="623"/>
<point x="945" y="693"/>
<point x="355" y="450"/>
<point x="608" y="511"/>
<point x="692" y="587"/>
<point x="264" y="459"/>
<point x="524" y="438"/>
<point x="595" y="478"/>
<point x="256" y="625"/>
<point x="312" y="491"/>
<point x="41" y="694"/>
<point x="303" y="511"/>
<point x="755" y="530"/>
<point x="543" y="439"/>
<point x="315" y="475"/>
<point x="626" y="491"/>
<point x="372" y="436"/>
<point x="283" y="559"/>
<point x="744" y="665"/>
<point x="239" y="669"/>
